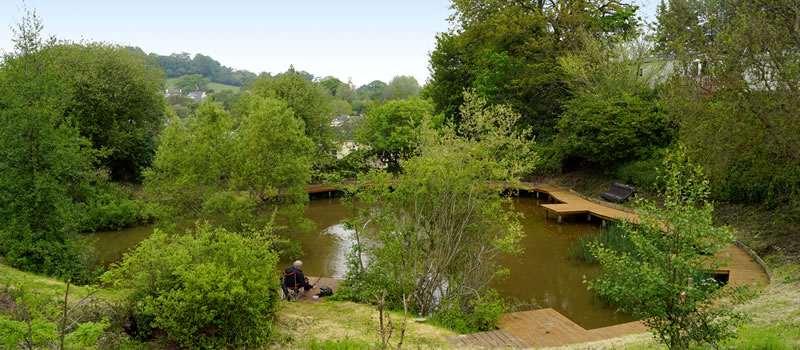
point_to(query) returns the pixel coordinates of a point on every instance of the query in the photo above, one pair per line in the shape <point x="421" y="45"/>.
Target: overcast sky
<point x="363" y="40"/>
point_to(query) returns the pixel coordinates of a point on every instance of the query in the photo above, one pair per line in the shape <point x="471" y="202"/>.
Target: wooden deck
<point x="540" y="328"/>
<point x="547" y="327"/>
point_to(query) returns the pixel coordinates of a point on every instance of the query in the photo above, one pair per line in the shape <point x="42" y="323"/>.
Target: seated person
<point x="299" y="279"/>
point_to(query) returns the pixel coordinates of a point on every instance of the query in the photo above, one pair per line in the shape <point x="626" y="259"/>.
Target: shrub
<point x="643" y="172"/>
<point x="205" y="289"/>
<point x="484" y="314"/>
<point x="609" y="129"/>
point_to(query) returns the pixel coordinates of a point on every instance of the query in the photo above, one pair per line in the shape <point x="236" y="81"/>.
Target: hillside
<point x="212" y="86"/>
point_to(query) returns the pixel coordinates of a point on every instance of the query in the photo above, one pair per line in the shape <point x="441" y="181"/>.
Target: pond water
<point x="543" y="273"/>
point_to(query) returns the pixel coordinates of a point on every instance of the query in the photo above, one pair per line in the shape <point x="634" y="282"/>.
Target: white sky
<point x="360" y="39"/>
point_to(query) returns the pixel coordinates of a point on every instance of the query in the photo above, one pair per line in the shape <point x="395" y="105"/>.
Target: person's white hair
<point x="298" y="263"/>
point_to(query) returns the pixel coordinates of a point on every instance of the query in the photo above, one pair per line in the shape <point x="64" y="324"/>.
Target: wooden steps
<point x="540" y="328"/>
<point x="499" y="339"/>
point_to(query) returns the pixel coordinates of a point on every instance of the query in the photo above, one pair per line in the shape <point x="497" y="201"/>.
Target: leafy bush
<point x="484" y="314"/>
<point x="643" y="172"/>
<point x="609" y="129"/>
<point x="205" y="289"/>
<point x="112" y="207"/>
<point x="34" y="320"/>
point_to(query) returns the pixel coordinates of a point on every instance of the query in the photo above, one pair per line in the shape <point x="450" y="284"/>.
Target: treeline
<point x="602" y="90"/>
<point x="180" y="64"/>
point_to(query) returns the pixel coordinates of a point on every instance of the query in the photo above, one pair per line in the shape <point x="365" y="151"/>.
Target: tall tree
<point x="390" y="129"/>
<point x="194" y="82"/>
<point x="401" y="86"/>
<point x="237" y="171"/>
<point x="442" y="224"/>
<point x="116" y="103"/>
<point x="309" y="104"/>
<point x="507" y="51"/>
<point x="45" y="161"/>
<point x="734" y="93"/>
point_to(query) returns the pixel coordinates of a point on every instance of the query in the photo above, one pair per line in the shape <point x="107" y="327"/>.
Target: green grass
<point x="13" y="277"/>
<point x="212" y="86"/>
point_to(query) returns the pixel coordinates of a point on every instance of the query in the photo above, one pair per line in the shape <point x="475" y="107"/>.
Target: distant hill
<point x="217" y="87"/>
<point x="179" y="64"/>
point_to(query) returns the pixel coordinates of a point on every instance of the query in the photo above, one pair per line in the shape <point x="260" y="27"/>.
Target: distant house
<point x="197" y="96"/>
<point x="172" y="92"/>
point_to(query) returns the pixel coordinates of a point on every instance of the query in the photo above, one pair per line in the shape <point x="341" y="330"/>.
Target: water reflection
<point x="543" y="272"/>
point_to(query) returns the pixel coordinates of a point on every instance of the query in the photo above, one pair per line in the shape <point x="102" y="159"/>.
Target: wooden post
<point x="604" y="222"/>
<point x="537" y="195"/>
<point x="559" y="219"/>
<point x="330" y="194"/>
<point x="589" y="217"/>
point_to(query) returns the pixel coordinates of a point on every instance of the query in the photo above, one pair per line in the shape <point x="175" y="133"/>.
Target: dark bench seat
<point x="618" y="193"/>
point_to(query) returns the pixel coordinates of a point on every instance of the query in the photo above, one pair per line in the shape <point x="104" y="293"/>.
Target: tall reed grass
<point x="613" y="238"/>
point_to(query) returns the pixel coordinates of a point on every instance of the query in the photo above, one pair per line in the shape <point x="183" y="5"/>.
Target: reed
<point x="614" y="238"/>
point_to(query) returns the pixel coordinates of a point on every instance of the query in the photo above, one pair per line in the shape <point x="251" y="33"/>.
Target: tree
<point x="309" y="103"/>
<point x="401" y="87"/>
<point x="665" y="280"/>
<point x="45" y="163"/>
<point x="440" y="225"/>
<point x="247" y="170"/>
<point x="737" y="114"/>
<point x="194" y="82"/>
<point x="331" y="84"/>
<point x="390" y="129"/>
<point x="507" y="51"/>
<point x="614" y="115"/>
<point x="371" y="91"/>
<point x="116" y="103"/>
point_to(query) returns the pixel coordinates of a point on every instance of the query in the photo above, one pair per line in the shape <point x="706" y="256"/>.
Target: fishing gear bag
<point x="325" y="291"/>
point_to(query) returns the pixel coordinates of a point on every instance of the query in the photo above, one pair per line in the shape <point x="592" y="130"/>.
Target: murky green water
<point x="542" y="273"/>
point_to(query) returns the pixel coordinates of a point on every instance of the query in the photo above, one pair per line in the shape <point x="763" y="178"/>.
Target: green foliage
<point x="309" y="103"/>
<point x="644" y="172"/>
<point x="180" y="64"/>
<point x="613" y="238"/>
<point x="507" y="51"/>
<point x="46" y="164"/>
<point x="233" y="172"/>
<point x="194" y="82"/>
<point x="116" y="103"/>
<point x="610" y="130"/>
<point x="737" y="115"/>
<point x="390" y="129"/>
<point x="484" y="314"/>
<point x="401" y="87"/>
<point x="659" y="281"/>
<point x="111" y="207"/>
<point x="35" y="320"/>
<point x="442" y="215"/>
<point x="208" y="288"/>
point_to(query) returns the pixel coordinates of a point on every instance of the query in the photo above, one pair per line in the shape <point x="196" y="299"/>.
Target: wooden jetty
<point x="547" y="327"/>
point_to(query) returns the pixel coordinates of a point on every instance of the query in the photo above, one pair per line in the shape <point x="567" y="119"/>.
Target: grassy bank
<point x="325" y="325"/>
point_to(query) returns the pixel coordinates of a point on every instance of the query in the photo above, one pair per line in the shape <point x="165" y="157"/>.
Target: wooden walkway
<point x="547" y="327"/>
<point x="540" y="328"/>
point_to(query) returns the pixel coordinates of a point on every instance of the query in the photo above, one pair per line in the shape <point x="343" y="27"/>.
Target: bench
<point x="618" y="193"/>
